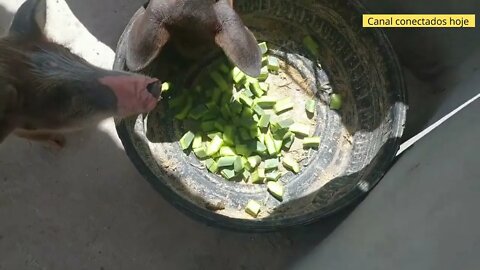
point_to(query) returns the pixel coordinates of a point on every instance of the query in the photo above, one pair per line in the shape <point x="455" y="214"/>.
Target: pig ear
<point x="238" y="43"/>
<point x="30" y="20"/>
<point x="147" y="37"/>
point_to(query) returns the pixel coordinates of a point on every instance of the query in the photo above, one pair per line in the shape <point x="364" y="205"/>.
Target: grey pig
<point x="45" y="90"/>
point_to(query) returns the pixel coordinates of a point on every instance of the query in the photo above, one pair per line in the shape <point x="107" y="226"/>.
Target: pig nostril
<point x="154" y="89"/>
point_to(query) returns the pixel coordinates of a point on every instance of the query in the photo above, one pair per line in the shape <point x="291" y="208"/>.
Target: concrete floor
<point x="86" y="207"/>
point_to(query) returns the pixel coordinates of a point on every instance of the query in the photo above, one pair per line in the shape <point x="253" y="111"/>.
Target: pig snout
<point x="155" y="88"/>
<point x="135" y="94"/>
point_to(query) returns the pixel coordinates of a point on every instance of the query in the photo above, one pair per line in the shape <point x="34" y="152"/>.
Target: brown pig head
<point x="194" y="27"/>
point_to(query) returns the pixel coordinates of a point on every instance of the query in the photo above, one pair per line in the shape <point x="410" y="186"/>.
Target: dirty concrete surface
<point x="86" y="207"/>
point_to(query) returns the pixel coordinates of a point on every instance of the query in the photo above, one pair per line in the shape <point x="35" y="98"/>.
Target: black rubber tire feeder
<point x="359" y="142"/>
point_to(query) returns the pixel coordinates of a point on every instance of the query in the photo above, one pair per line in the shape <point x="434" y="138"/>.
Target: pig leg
<point x="53" y="139"/>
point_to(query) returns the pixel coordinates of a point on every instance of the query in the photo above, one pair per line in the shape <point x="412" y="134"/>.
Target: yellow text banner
<point x="419" y="20"/>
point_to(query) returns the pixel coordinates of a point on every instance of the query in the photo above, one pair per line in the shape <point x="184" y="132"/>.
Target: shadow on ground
<point x="105" y="19"/>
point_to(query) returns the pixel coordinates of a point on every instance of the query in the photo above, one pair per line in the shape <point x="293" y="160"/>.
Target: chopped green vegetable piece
<point x="212" y="135"/>
<point x="210" y="115"/>
<point x="335" y="102"/>
<point x="279" y="133"/>
<point x="261" y="148"/>
<point x="224" y="68"/>
<point x="254" y="161"/>
<point x="261" y="170"/>
<point x="247" y="92"/>
<point x="246" y="122"/>
<point x="310" y="106"/>
<point x="256" y="89"/>
<point x="273" y="63"/>
<point x="311" y="142"/>
<point x="186" y="109"/>
<point x="283" y="105"/>
<point x="197" y="141"/>
<point x="244" y="134"/>
<point x="273" y="176"/>
<point x="245" y="100"/>
<point x="211" y="165"/>
<point x="288" y="135"/>
<point x="243" y="150"/>
<point x="264" y="60"/>
<point x="207" y="126"/>
<point x="286" y="123"/>
<point x="197" y="112"/>
<point x="247" y="112"/>
<point x="245" y="163"/>
<point x="264" y="86"/>
<point x="300" y="129"/>
<point x="263" y="47"/>
<point x="238" y="140"/>
<point x="227" y="151"/>
<point x="219" y="80"/>
<point x="226" y="98"/>
<point x="200" y="152"/>
<point x="237" y="75"/>
<point x="226" y="161"/>
<point x="165" y="86"/>
<point x="266" y="101"/>
<point x="311" y="45"/>
<point x="236" y="107"/>
<point x="264" y="121"/>
<point x="270" y="144"/>
<point x="271" y="164"/>
<point x="274" y="127"/>
<point x="186" y="140"/>
<point x="228" y="174"/>
<point x="252" y="208"/>
<point x="258" y="110"/>
<point x="246" y="175"/>
<point x="291" y="164"/>
<point x="219" y="125"/>
<point x="263" y="74"/>
<point x="217" y="94"/>
<point x="278" y="145"/>
<point x="256" y="178"/>
<point x="254" y="131"/>
<point x="209" y="162"/>
<point x="261" y="137"/>
<point x="225" y="111"/>
<point x="238" y="165"/>
<point x="289" y="141"/>
<point x="276" y="189"/>
<point x="229" y="135"/>
<point x="214" y="145"/>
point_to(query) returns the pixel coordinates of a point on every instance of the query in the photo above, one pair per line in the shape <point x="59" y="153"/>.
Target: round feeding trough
<point x="358" y="140"/>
